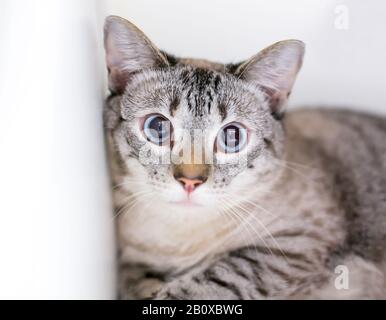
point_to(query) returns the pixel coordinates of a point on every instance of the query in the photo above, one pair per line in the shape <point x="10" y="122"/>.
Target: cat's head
<point x="190" y="133"/>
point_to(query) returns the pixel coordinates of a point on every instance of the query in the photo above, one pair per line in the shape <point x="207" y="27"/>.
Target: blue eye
<point x="232" y="138"/>
<point x="157" y="129"/>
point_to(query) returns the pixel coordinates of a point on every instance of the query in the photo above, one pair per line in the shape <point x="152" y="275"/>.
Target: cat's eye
<point x="157" y="129"/>
<point x="232" y="138"/>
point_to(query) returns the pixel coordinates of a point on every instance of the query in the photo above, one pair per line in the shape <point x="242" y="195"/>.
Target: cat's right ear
<point x="274" y="70"/>
<point x="127" y="50"/>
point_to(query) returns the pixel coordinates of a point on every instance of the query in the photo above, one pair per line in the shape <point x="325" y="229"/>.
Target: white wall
<point x="56" y="225"/>
<point x="345" y="67"/>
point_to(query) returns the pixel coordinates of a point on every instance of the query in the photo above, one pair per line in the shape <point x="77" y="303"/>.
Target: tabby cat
<point x="219" y="196"/>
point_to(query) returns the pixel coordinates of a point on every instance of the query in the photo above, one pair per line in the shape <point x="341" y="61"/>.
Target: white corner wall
<point x="56" y="225"/>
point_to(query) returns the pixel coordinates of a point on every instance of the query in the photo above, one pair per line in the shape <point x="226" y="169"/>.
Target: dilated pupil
<point x="158" y="126"/>
<point x="232" y="136"/>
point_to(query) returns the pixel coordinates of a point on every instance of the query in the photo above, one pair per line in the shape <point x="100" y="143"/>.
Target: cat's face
<point x="196" y="136"/>
<point x="199" y="112"/>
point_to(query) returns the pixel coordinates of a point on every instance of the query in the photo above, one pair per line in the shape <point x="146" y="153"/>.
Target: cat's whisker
<point x="304" y="177"/>
<point x="252" y="216"/>
<point x="130" y="200"/>
<point x="239" y="228"/>
<point x="150" y="202"/>
<point x="267" y="231"/>
<point x="137" y="202"/>
<point x="235" y="208"/>
<point x="253" y="204"/>
<point x="240" y="223"/>
<point x="129" y="182"/>
<point x="242" y="219"/>
<point x="258" y="206"/>
<point x="223" y="211"/>
<point x="299" y="165"/>
<point x="245" y="223"/>
<point x="124" y="184"/>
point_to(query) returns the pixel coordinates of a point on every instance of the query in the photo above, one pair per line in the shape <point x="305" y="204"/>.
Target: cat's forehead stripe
<point x="174" y="105"/>
<point x="202" y="87"/>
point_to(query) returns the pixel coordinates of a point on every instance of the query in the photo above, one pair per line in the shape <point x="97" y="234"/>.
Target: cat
<point x="290" y="205"/>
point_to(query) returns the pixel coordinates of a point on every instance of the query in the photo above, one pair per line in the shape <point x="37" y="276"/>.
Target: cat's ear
<point x="127" y="50"/>
<point x="274" y="69"/>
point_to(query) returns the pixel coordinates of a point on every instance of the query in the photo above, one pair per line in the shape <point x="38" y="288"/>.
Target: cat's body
<point x="310" y="197"/>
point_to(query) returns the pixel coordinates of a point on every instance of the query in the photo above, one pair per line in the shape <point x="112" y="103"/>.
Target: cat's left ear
<point x="128" y="50"/>
<point x="274" y="70"/>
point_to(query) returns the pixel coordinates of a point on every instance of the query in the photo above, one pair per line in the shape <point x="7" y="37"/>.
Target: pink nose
<point x="190" y="184"/>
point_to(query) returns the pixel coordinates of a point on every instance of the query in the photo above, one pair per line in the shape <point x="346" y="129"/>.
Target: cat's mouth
<point x="186" y="203"/>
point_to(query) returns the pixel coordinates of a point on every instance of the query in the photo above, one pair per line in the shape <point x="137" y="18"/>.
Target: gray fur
<point x="310" y="194"/>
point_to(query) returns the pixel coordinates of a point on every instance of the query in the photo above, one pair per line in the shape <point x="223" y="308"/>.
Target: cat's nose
<point x="191" y="176"/>
<point x="190" y="185"/>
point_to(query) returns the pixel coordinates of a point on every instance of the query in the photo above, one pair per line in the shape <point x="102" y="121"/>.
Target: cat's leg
<point x="241" y="275"/>
<point x="135" y="283"/>
<point x="365" y="280"/>
<point x="235" y="276"/>
<point x="220" y="282"/>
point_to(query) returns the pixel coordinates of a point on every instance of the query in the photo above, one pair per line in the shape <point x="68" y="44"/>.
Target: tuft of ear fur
<point x="128" y="50"/>
<point x="274" y="69"/>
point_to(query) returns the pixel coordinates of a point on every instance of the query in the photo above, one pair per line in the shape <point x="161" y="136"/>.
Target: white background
<point x="56" y="225"/>
<point x="343" y="67"/>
